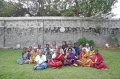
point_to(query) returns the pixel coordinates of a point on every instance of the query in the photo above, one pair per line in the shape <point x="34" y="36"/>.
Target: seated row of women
<point x="57" y="59"/>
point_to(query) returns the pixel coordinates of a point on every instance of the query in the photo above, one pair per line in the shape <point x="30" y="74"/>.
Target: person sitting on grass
<point x="33" y="55"/>
<point x="64" y="46"/>
<point x="70" y="46"/>
<point x="41" y="61"/>
<point x="25" y="57"/>
<point x="57" y="59"/>
<point x="98" y="61"/>
<point x="47" y="48"/>
<point x="61" y="50"/>
<point x="70" y="59"/>
<point x="48" y="55"/>
<point x="30" y="51"/>
<point x="39" y="48"/>
<point x="76" y="49"/>
<point x="84" y="58"/>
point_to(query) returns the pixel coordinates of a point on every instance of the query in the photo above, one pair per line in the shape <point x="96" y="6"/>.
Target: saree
<point x="32" y="58"/>
<point x="84" y="61"/>
<point x="56" y="62"/>
<point x="24" y="59"/>
<point x="98" y="62"/>
<point x="91" y="53"/>
<point x="71" y="60"/>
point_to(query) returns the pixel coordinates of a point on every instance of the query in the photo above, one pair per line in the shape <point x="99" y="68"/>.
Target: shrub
<point x="91" y="42"/>
<point x="84" y="40"/>
<point x="97" y="29"/>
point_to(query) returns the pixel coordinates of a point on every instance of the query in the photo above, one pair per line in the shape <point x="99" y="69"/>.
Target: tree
<point x="95" y="7"/>
<point x="84" y="8"/>
<point x="6" y="9"/>
<point x="1" y="7"/>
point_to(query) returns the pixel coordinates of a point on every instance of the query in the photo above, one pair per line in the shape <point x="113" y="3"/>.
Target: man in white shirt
<point x="41" y="61"/>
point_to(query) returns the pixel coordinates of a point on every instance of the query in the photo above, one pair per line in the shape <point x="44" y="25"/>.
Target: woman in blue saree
<point x="25" y="57"/>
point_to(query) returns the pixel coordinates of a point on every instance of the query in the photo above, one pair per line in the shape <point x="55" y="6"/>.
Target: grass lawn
<point x="9" y="69"/>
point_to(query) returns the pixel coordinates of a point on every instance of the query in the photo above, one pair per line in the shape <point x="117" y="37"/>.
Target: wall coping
<point x="55" y="18"/>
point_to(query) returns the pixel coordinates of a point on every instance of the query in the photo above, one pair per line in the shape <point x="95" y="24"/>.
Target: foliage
<point x="95" y="7"/>
<point x="91" y="42"/>
<point x="68" y="12"/>
<point x="9" y="69"/>
<point x="54" y="13"/>
<point x="114" y="37"/>
<point x="84" y="8"/>
<point x="84" y="40"/>
<point x="8" y="10"/>
<point x="1" y="4"/>
<point x="97" y="29"/>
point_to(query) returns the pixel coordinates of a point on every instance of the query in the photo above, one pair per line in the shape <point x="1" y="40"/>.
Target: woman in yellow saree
<point x="33" y="56"/>
<point x="85" y="60"/>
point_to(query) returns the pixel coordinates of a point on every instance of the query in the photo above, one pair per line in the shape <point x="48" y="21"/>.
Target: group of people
<point x="55" y="56"/>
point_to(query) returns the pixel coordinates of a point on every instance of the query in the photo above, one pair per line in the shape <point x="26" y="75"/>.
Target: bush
<point x="97" y="29"/>
<point x="91" y="43"/>
<point x="84" y="40"/>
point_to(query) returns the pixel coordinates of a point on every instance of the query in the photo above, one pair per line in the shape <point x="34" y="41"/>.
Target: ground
<point x="9" y="69"/>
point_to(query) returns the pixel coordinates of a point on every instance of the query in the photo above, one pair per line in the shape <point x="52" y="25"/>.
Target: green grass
<point x="9" y="69"/>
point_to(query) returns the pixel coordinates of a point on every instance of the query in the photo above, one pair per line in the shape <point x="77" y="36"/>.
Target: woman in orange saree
<point x="85" y="60"/>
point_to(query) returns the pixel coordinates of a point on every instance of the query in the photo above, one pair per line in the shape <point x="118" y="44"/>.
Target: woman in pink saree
<point x="98" y="61"/>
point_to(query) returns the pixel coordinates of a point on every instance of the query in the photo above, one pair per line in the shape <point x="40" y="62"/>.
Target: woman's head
<point x="54" y="43"/>
<point x="83" y="50"/>
<point x="91" y="48"/>
<point x="80" y="47"/>
<point x="35" y="49"/>
<point x="96" y="51"/>
<point x="57" y="50"/>
<point x="24" y="49"/>
<point x="64" y="43"/>
<point x="47" y="45"/>
<point x="70" y="50"/>
<point x="75" y="44"/>
<point x="30" y="47"/>
<point x="39" y="46"/>
<point x="69" y="45"/>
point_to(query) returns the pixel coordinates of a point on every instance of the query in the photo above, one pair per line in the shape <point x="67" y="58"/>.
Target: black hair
<point x="47" y="44"/>
<point x="25" y="48"/>
<point x="96" y="50"/>
<point x="69" y="49"/>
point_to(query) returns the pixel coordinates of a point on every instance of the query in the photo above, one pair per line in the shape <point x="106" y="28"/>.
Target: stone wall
<point x="31" y="31"/>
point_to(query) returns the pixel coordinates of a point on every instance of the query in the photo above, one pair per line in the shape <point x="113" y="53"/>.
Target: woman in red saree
<point x="57" y="61"/>
<point x="98" y="61"/>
